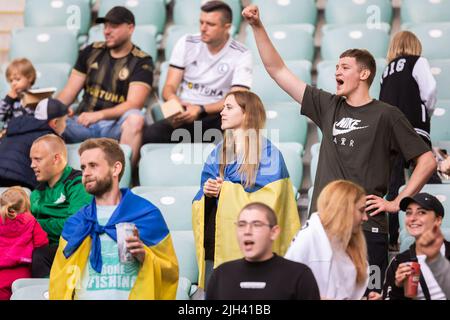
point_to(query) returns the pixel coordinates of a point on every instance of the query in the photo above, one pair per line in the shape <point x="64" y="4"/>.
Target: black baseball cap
<point x="117" y="15"/>
<point x="426" y="201"/>
<point x="49" y="109"/>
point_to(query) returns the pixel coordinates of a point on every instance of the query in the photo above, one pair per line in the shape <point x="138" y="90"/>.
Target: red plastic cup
<point x="412" y="282"/>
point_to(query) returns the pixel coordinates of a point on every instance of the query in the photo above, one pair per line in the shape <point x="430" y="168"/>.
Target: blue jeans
<point x="76" y="132"/>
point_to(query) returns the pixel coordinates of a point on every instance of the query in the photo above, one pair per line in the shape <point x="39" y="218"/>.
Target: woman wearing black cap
<point x="423" y="213"/>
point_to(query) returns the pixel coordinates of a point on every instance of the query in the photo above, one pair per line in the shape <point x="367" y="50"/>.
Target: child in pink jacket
<point x="20" y="233"/>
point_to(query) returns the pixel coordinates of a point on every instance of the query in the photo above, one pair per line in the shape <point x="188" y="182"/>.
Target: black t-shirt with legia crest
<point x="107" y="78"/>
<point x="359" y="144"/>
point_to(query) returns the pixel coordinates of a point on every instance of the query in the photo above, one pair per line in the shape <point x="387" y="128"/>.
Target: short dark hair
<point x="365" y="60"/>
<point x="216" y="5"/>
<point x="110" y="147"/>
<point x="270" y="214"/>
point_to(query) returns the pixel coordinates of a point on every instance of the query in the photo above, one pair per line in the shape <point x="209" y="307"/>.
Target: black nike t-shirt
<point x="273" y="279"/>
<point x="359" y="144"/>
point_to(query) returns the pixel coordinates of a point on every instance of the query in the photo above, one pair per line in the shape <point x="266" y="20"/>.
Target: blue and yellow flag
<point x="273" y="187"/>
<point x="80" y="244"/>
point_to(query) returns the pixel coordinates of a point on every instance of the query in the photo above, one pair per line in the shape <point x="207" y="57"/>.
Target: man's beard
<point x="117" y="45"/>
<point x="101" y="186"/>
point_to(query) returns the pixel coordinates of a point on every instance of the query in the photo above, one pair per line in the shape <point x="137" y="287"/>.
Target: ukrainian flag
<point x="80" y="244"/>
<point x="273" y="187"/>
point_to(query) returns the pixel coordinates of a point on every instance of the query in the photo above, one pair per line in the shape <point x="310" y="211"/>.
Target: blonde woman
<point x="407" y="83"/>
<point x="244" y="168"/>
<point x="332" y="243"/>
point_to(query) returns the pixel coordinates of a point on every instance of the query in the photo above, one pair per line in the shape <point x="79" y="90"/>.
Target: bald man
<point x="59" y="195"/>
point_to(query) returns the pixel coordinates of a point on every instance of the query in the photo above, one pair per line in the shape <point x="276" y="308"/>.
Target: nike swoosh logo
<point x="337" y="132"/>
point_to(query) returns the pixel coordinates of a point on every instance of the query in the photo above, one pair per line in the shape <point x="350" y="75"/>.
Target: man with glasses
<point x="261" y="274"/>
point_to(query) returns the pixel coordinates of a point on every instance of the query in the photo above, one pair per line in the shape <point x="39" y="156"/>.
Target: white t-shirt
<point x="116" y="279"/>
<point x="208" y="78"/>
<point x="435" y="290"/>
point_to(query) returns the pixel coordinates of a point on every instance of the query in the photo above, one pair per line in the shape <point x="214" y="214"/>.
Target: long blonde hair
<point x="336" y="205"/>
<point x="13" y="201"/>
<point x="254" y="121"/>
<point x="404" y="43"/>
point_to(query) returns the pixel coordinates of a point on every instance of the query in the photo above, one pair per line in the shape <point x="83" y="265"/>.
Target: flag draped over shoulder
<point x="80" y="244"/>
<point x="272" y="187"/>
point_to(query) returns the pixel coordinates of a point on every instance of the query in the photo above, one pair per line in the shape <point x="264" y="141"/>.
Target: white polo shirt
<point x="208" y="78"/>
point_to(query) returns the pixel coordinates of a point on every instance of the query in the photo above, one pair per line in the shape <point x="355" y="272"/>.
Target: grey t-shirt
<point x="359" y="144"/>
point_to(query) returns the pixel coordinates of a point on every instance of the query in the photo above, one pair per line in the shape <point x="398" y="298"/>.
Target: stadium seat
<point x="144" y="36"/>
<point x="44" y="45"/>
<point x="285" y="124"/>
<point x="4" y="86"/>
<point x="287" y="11"/>
<point x="435" y="39"/>
<point x="337" y="40"/>
<point x="27" y="282"/>
<point x="293" y="41"/>
<point x="35" y="292"/>
<point x="441" y="72"/>
<point x="52" y="75"/>
<point x="353" y="11"/>
<point x="167" y="165"/>
<point x="73" y="160"/>
<point x="440" y="128"/>
<point x="175" y="204"/>
<point x="425" y="11"/>
<point x="184" y="289"/>
<point x="267" y="89"/>
<point x="146" y="12"/>
<point x="174" y="33"/>
<point x="183" y="242"/>
<point x="187" y="13"/>
<point x="3" y="189"/>
<point x="326" y="79"/>
<point x="315" y="148"/>
<point x="72" y="14"/>
<point x="292" y="153"/>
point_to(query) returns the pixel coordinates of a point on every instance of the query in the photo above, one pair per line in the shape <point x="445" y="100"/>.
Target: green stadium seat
<point x="441" y="72"/>
<point x="187" y="13"/>
<point x="184" y="289"/>
<point x="144" y="36"/>
<point x="73" y="14"/>
<point x="337" y="40"/>
<point x="3" y="189"/>
<point x="292" y="155"/>
<point x="326" y="79"/>
<point x="440" y="129"/>
<point x="145" y="11"/>
<point x="27" y="282"/>
<point x="184" y="244"/>
<point x="293" y="41"/>
<point x="44" y="45"/>
<point x="435" y="39"/>
<point x="174" y="33"/>
<point x="287" y="11"/>
<point x="355" y="11"/>
<point x="73" y="160"/>
<point x="315" y="148"/>
<point x="35" y="292"/>
<point x="285" y="124"/>
<point x="267" y="89"/>
<point x="175" y="204"/>
<point x="52" y="75"/>
<point x="425" y="11"/>
<point x="168" y="165"/>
